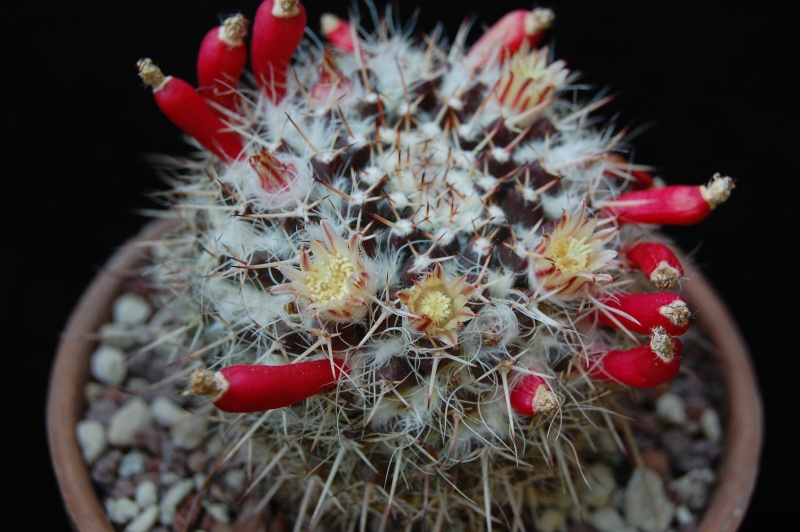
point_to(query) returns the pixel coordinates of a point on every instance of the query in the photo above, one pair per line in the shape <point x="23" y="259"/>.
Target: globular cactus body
<point x="449" y="234"/>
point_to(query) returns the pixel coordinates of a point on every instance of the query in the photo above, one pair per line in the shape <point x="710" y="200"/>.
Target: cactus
<point x="409" y="275"/>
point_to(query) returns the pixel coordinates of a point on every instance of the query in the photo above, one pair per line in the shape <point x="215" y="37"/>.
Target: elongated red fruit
<point x="221" y="60"/>
<point x="531" y="395"/>
<point x="258" y="387"/>
<point x="657" y="261"/>
<point x="618" y="166"/>
<point x="508" y="35"/>
<point x="659" y="309"/>
<point x="338" y="32"/>
<point x="188" y="110"/>
<point x="645" y="366"/>
<point x="672" y="204"/>
<point x="278" y="29"/>
<point x="273" y="174"/>
<point x="332" y="85"/>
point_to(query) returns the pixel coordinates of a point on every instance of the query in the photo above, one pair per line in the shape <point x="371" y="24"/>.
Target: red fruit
<point x="220" y="62"/>
<point x="338" y="32"/>
<point x="671" y="205"/>
<point x="619" y="167"/>
<point x="278" y="29"/>
<point x="514" y="30"/>
<point x="259" y="387"/>
<point x="647" y="311"/>
<point x="188" y="110"/>
<point x="273" y="174"/>
<point x="657" y="262"/>
<point x="645" y="366"/>
<point x="531" y="395"/>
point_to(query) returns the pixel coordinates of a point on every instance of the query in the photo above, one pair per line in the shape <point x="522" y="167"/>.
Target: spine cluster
<point x="409" y="271"/>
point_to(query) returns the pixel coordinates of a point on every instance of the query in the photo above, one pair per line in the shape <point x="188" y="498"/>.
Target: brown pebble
<point x="657" y="460"/>
<point x="114" y="394"/>
<point x="123" y="488"/>
<point x="695" y="406"/>
<point x="187" y="514"/>
<point x="197" y="460"/>
<point x="104" y="470"/>
<point x="154" y="464"/>
<point x="150" y="439"/>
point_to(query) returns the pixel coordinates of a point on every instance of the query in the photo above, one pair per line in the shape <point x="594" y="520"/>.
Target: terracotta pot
<point x="737" y="472"/>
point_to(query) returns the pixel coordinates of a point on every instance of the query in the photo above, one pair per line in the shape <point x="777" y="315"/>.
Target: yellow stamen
<point x="435" y="305"/>
<point x="329" y="282"/>
<point x="570" y="254"/>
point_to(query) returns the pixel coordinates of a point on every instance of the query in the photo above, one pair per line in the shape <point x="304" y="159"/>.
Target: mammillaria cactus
<point x="410" y="274"/>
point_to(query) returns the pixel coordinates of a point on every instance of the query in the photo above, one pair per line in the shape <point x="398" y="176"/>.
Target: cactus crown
<point x="447" y="227"/>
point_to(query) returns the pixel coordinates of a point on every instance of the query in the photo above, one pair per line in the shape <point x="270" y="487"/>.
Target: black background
<point x="709" y="79"/>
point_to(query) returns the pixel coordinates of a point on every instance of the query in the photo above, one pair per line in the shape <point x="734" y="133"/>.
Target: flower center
<point x="435" y="305"/>
<point x="569" y="254"/>
<point x="330" y="282"/>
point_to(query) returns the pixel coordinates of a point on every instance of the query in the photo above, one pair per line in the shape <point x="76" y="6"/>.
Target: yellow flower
<point x="332" y="282"/>
<point x="528" y="83"/>
<point x="437" y="306"/>
<point x="570" y="260"/>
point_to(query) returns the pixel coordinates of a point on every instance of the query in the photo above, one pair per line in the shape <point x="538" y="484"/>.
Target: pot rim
<point x="737" y="472"/>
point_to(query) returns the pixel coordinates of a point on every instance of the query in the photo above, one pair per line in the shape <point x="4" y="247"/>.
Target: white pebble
<point x="551" y="520"/>
<point x="137" y="384"/>
<point x="168" y="478"/>
<point x="119" y="335"/>
<point x="235" y="480"/>
<point x="93" y="391"/>
<point x="711" y="425"/>
<point x="131" y="309"/>
<point x="200" y="480"/>
<point x="608" y="520"/>
<point x="166" y="412"/>
<point x="220" y="512"/>
<point x="189" y="433"/>
<point x="172" y="498"/>
<point x="601" y="485"/>
<point x="132" y="465"/>
<point x="109" y="365"/>
<point x="645" y="501"/>
<point x="671" y="408"/>
<point x="683" y="515"/>
<point x="145" y="521"/>
<point x="129" y="419"/>
<point x="146" y="493"/>
<point x="121" y="510"/>
<point x="215" y="444"/>
<point x="92" y="439"/>
<point x="694" y="487"/>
